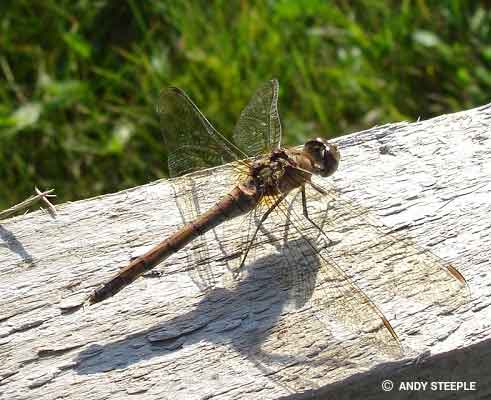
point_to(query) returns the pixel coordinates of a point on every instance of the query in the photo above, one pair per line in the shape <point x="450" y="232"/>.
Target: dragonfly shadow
<point x="13" y="244"/>
<point x="242" y="318"/>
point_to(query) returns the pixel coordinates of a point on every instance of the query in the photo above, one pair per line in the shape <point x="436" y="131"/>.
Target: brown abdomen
<point x="238" y="202"/>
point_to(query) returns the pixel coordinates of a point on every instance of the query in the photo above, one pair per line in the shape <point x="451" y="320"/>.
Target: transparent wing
<point x="188" y="192"/>
<point x="328" y="271"/>
<point x="224" y="267"/>
<point x="407" y="271"/>
<point x="258" y="129"/>
<point x="235" y="245"/>
<point x="334" y="320"/>
<point x="193" y="197"/>
<point x="192" y="142"/>
<point x="334" y="296"/>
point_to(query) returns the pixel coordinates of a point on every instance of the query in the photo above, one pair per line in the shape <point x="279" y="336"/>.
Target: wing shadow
<point x="14" y="245"/>
<point x="243" y="318"/>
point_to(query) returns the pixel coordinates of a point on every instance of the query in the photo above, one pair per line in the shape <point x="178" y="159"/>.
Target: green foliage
<point x="80" y="79"/>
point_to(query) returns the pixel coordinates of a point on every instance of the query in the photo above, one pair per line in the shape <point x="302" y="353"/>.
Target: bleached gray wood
<point x="165" y="338"/>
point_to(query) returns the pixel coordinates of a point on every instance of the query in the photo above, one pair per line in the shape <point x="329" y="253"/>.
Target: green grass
<point x="80" y="79"/>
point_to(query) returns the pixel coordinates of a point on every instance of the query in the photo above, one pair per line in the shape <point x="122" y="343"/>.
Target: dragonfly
<point x="267" y="177"/>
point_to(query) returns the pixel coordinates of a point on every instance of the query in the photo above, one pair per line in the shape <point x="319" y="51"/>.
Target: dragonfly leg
<point x="249" y="245"/>
<point x="306" y="213"/>
<point x="153" y="274"/>
<point x="318" y="188"/>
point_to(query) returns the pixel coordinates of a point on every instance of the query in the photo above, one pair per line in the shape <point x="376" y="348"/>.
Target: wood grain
<point x="168" y="338"/>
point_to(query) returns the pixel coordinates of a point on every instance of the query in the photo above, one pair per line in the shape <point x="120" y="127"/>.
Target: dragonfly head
<point x="324" y="156"/>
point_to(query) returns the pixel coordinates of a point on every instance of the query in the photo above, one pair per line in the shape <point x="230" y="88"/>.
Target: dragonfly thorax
<point x="274" y="173"/>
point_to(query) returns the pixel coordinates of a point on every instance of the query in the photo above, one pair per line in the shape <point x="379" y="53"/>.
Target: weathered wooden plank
<point x="166" y="338"/>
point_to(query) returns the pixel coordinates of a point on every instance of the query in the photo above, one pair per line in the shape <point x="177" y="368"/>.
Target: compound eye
<point x="325" y="156"/>
<point x="314" y="148"/>
<point x="331" y="158"/>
